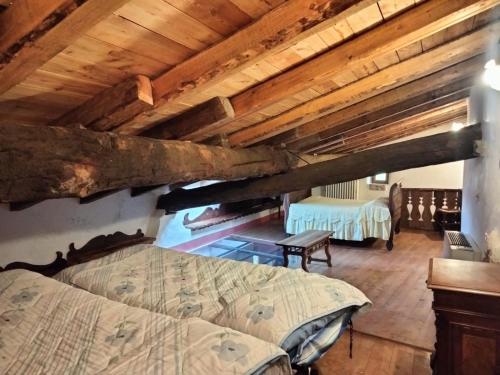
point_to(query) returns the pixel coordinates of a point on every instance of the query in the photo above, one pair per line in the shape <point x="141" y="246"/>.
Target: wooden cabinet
<point x="467" y="307"/>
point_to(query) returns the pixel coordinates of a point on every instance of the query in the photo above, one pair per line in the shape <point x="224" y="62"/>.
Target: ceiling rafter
<point x="409" y="27"/>
<point x="363" y="138"/>
<point x="436" y="59"/>
<point x="285" y="25"/>
<point x="381" y="122"/>
<point x="32" y="32"/>
<point x="210" y="113"/>
<point x="425" y="91"/>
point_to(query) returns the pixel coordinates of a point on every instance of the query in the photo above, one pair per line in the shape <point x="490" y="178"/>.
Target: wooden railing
<point x="420" y="206"/>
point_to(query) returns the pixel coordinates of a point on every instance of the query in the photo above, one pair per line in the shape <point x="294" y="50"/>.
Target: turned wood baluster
<point x="433" y="207"/>
<point x="409" y="207"/>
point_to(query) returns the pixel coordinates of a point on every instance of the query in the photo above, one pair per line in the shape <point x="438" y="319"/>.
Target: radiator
<point x="343" y="190"/>
<point x="457" y="245"/>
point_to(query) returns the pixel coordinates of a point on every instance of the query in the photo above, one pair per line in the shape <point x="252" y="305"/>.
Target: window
<point x="380" y="178"/>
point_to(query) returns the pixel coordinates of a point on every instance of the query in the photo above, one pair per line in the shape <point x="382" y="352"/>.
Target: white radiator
<point x="343" y="190"/>
<point x="457" y="245"/>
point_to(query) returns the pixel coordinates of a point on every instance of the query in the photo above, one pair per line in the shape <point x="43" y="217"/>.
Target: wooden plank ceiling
<point x="363" y="73"/>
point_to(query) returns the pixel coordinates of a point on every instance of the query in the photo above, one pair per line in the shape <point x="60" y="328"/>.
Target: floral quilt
<point x="47" y="327"/>
<point x="290" y="308"/>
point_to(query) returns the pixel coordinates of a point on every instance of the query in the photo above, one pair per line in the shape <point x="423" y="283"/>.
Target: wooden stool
<point x="305" y="244"/>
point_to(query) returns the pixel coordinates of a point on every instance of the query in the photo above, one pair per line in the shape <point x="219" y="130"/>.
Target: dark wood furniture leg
<point x="327" y="253"/>
<point x="305" y="256"/>
<point x="285" y="256"/>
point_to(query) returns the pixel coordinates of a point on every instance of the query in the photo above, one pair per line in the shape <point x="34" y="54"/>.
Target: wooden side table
<point x="305" y="244"/>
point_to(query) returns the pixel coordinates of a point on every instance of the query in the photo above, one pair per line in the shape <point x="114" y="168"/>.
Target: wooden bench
<point x="305" y="244"/>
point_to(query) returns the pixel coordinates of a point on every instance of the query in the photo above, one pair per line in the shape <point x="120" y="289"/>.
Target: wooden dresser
<point x="467" y="307"/>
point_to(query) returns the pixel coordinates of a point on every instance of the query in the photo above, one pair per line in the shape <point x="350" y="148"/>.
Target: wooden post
<point x="435" y="149"/>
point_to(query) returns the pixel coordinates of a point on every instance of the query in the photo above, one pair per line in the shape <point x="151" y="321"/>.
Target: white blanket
<point x="347" y="219"/>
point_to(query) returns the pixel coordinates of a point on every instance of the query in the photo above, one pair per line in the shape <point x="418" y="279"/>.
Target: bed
<point x="302" y="313"/>
<point x="352" y="220"/>
<point x="48" y="327"/>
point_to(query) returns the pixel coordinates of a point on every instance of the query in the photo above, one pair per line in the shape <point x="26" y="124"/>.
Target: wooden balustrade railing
<point x="420" y="206"/>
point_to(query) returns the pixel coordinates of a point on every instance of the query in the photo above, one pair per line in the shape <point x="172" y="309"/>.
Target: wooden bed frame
<point x="395" y="202"/>
<point x="95" y="248"/>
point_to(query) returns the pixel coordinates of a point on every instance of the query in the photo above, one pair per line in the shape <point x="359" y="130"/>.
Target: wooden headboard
<point x="104" y="245"/>
<point x="395" y="203"/>
<point x="95" y="248"/>
<point x="293" y="197"/>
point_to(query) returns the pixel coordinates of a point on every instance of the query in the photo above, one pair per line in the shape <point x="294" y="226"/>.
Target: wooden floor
<point x="373" y="356"/>
<point x="400" y="325"/>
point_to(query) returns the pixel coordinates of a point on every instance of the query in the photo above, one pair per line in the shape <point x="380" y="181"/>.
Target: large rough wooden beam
<point x="436" y="149"/>
<point x="398" y="100"/>
<point x="396" y="75"/>
<point x="211" y="113"/>
<point x="409" y="27"/>
<point x="112" y="106"/>
<point x="287" y="24"/>
<point x="40" y="162"/>
<point x="32" y="32"/>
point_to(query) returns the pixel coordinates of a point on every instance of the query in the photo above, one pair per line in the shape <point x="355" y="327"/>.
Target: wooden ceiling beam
<point x="418" y="92"/>
<point x="79" y="163"/>
<point x="32" y="32"/>
<point x="213" y="112"/>
<point x="394" y="76"/>
<point x="331" y="141"/>
<point x="420" y="152"/>
<point x="435" y="117"/>
<point x="282" y="27"/>
<point x="384" y="138"/>
<point x="111" y="106"/>
<point x="409" y="27"/>
<point x="25" y="18"/>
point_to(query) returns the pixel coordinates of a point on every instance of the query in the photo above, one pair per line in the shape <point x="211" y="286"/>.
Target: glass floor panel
<point x="247" y="250"/>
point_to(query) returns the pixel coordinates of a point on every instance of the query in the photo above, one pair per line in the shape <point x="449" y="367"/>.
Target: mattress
<point x="352" y="220"/>
<point x="47" y="327"/>
<point x="301" y="312"/>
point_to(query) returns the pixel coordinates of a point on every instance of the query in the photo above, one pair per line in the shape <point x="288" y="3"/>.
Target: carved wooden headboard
<point x="395" y="202"/>
<point x="95" y="248"/>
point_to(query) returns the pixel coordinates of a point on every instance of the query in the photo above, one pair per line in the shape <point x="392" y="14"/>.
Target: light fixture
<point x="491" y="75"/>
<point x="456" y="126"/>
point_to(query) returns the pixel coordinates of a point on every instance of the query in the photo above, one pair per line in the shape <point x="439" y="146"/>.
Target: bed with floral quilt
<point x="48" y="327"/>
<point x="303" y="313"/>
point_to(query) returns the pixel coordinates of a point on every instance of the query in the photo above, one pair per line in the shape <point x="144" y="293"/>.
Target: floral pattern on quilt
<point x="49" y="327"/>
<point x="270" y="303"/>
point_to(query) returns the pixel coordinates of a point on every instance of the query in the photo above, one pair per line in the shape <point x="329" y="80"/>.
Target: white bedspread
<point x="347" y="219"/>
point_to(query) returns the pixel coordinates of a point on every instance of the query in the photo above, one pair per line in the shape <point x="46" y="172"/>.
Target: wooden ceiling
<point x="336" y="76"/>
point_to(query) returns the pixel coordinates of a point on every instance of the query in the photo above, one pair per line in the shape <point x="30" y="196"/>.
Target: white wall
<point x="36" y="233"/>
<point x="481" y="192"/>
<point x="442" y="176"/>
